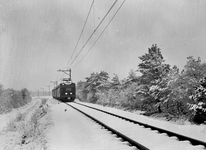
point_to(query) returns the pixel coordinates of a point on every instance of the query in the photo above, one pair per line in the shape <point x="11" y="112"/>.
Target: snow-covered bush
<point x="199" y="105"/>
<point x="10" y="99"/>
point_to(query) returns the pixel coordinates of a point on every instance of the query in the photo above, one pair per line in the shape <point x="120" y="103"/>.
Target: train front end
<point x="68" y="92"/>
<point x="65" y="92"/>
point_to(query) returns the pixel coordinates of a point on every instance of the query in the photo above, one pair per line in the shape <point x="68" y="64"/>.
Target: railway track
<point x="140" y="135"/>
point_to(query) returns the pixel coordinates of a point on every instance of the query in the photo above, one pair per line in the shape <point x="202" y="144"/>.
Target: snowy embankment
<point x="24" y="128"/>
<point x="195" y="131"/>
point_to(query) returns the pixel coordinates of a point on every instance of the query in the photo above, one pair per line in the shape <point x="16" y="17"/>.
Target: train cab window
<point x="68" y="89"/>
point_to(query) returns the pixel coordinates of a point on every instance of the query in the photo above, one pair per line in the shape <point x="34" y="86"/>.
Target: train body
<point x="65" y="92"/>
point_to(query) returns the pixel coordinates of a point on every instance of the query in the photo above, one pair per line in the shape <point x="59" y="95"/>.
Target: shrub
<point x="19" y="117"/>
<point x="44" y="101"/>
<point x="199" y="105"/>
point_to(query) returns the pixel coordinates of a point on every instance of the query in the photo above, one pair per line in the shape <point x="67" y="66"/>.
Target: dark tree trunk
<point x="159" y="109"/>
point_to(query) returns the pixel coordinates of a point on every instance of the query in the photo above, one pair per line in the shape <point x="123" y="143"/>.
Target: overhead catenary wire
<point x="100" y="34"/>
<point x="81" y="32"/>
<point x="80" y="35"/>
<point x="93" y="32"/>
<point x="94" y="16"/>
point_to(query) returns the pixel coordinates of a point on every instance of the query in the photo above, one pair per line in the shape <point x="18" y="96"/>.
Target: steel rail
<point x="124" y="137"/>
<point x="169" y="133"/>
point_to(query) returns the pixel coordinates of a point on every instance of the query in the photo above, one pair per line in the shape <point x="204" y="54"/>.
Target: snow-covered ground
<point x="4" y="118"/>
<point x="72" y="130"/>
<point x="9" y="139"/>
<point x="195" y="131"/>
<point x="65" y="128"/>
<point x="151" y="139"/>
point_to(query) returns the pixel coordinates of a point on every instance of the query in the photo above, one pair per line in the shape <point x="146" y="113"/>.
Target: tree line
<point x="160" y="89"/>
<point x="10" y="99"/>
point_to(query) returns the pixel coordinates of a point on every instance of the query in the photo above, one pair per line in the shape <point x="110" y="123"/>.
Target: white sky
<point x="37" y="37"/>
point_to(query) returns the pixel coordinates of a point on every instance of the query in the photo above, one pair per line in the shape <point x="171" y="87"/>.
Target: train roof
<point x="64" y="84"/>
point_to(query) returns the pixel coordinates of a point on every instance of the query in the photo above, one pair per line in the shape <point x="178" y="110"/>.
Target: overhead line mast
<point x="93" y="32"/>
<point x="66" y="72"/>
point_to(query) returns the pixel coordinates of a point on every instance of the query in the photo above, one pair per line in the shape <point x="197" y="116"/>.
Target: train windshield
<point x="68" y="89"/>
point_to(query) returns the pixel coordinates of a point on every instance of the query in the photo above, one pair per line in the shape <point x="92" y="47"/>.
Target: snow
<point x="4" y="118"/>
<point x="74" y="131"/>
<point x="10" y="139"/>
<point x="145" y="136"/>
<point x="195" y="131"/>
<point x="69" y="129"/>
<point x="2" y="121"/>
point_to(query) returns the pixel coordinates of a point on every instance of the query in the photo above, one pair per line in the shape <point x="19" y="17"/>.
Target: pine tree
<point x="199" y="106"/>
<point x="81" y="91"/>
<point x="154" y="71"/>
<point x="115" y="82"/>
<point x="95" y="83"/>
<point x="153" y="68"/>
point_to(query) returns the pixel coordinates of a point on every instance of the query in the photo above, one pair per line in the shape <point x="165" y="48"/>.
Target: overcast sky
<point x="37" y="37"/>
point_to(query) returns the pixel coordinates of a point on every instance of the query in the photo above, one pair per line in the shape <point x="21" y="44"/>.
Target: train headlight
<point x="66" y="93"/>
<point x="71" y="93"/>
